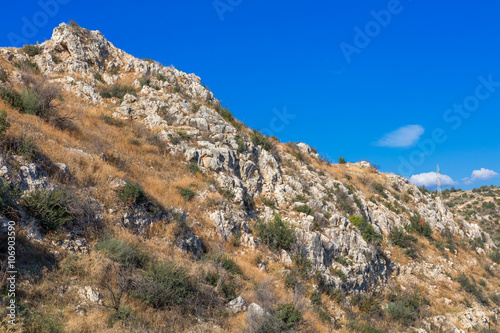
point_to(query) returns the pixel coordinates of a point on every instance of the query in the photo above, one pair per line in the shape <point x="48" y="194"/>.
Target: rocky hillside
<point x="143" y="205"/>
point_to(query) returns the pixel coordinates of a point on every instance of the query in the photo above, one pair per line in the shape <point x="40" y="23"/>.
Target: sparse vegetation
<point x="186" y="193"/>
<point x="50" y="208"/>
<point x="258" y="139"/>
<point x="117" y="90"/>
<point x="367" y="231"/>
<point x="32" y="50"/>
<point x="276" y="234"/>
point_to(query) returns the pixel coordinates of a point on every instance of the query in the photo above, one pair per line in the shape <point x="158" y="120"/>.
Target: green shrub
<point x="166" y="284"/>
<point x="50" y="208"/>
<point x="302" y="264"/>
<point x="419" y="225"/>
<point x="4" y="123"/>
<point x="377" y="187"/>
<point x="193" y="168"/>
<point x="161" y="77"/>
<point x="268" y="202"/>
<point x="258" y="139"/>
<point x="11" y="97"/>
<point x="291" y="280"/>
<point x="400" y="238"/>
<point x="4" y="76"/>
<point x="304" y="209"/>
<point x="241" y="144"/>
<point x="186" y="193"/>
<point x="472" y="288"/>
<point x="26" y="146"/>
<point x="226" y="114"/>
<point x="342" y="160"/>
<point x="299" y="198"/>
<point x="122" y="252"/>
<point x="338" y="272"/>
<point x="145" y="81"/>
<point x="495" y="256"/>
<point x="31" y="50"/>
<point x="98" y="77"/>
<point x="27" y="65"/>
<point x="342" y="260"/>
<point x="367" y="231"/>
<point x="42" y="323"/>
<point x="117" y="90"/>
<point x="132" y="193"/>
<point x="56" y="59"/>
<point x="405" y="308"/>
<point x="276" y="234"/>
<point x="288" y="315"/>
<point x="228" y="264"/>
<point x="114" y="70"/>
<point x="8" y="196"/>
<point x="112" y="121"/>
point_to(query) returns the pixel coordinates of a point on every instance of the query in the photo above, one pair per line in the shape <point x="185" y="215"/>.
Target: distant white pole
<point x="438" y="180"/>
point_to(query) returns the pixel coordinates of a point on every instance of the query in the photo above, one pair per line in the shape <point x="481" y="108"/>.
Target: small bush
<point x="117" y="90"/>
<point x="400" y="238"/>
<point x="8" y="196"/>
<point x="338" y="272"/>
<point x="276" y="234"/>
<point x="132" y="193"/>
<point x="42" y="323"/>
<point x="122" y="252"/>
<point x="50" y="208"/>
<point x="241" y="144"/>
<point x="288" y="315"/>
<point x="161" y="77"/>
<point x="342" y="260"/>
<point x="56" y="59"/>
<point x="193" y="168"/>
<point x="27" y="65"/>
<point x="405" y="308"/>
<point x="268" y="202"/>
<point x="11" y="97"/>
<point x="26" y="146"/>
<point x="304" y="209"/>
<point x="4" y="76"/>
<point x="367" y="231"/>
<point x="186" y="193"/>
<point x="342" y="160"/>
<point x="377" y="187"/>
<point x="495" y="256"/>
<point x="228" y="264"/>
<point x="98" y="77"/>
<point x="145" y="81"/>
<point x="302" y="264"/>
<point x="166" y="284"/>
<point x="4" y="123"/>
<point x="258" y="139"/>
<point x="31" y="50"/>
<point x="112" y="121"/>
<point x="419" y="225"/>
<point x="226" y="114"/>
<point x="472" y="288"/>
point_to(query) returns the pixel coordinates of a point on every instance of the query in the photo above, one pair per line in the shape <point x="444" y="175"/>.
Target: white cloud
<point x="429" y="179"/>
<point x="481" y="174"/>
<point x="405" y="136"/>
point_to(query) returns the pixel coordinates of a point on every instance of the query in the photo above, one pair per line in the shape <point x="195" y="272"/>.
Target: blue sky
<point x="303" y="71"/>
